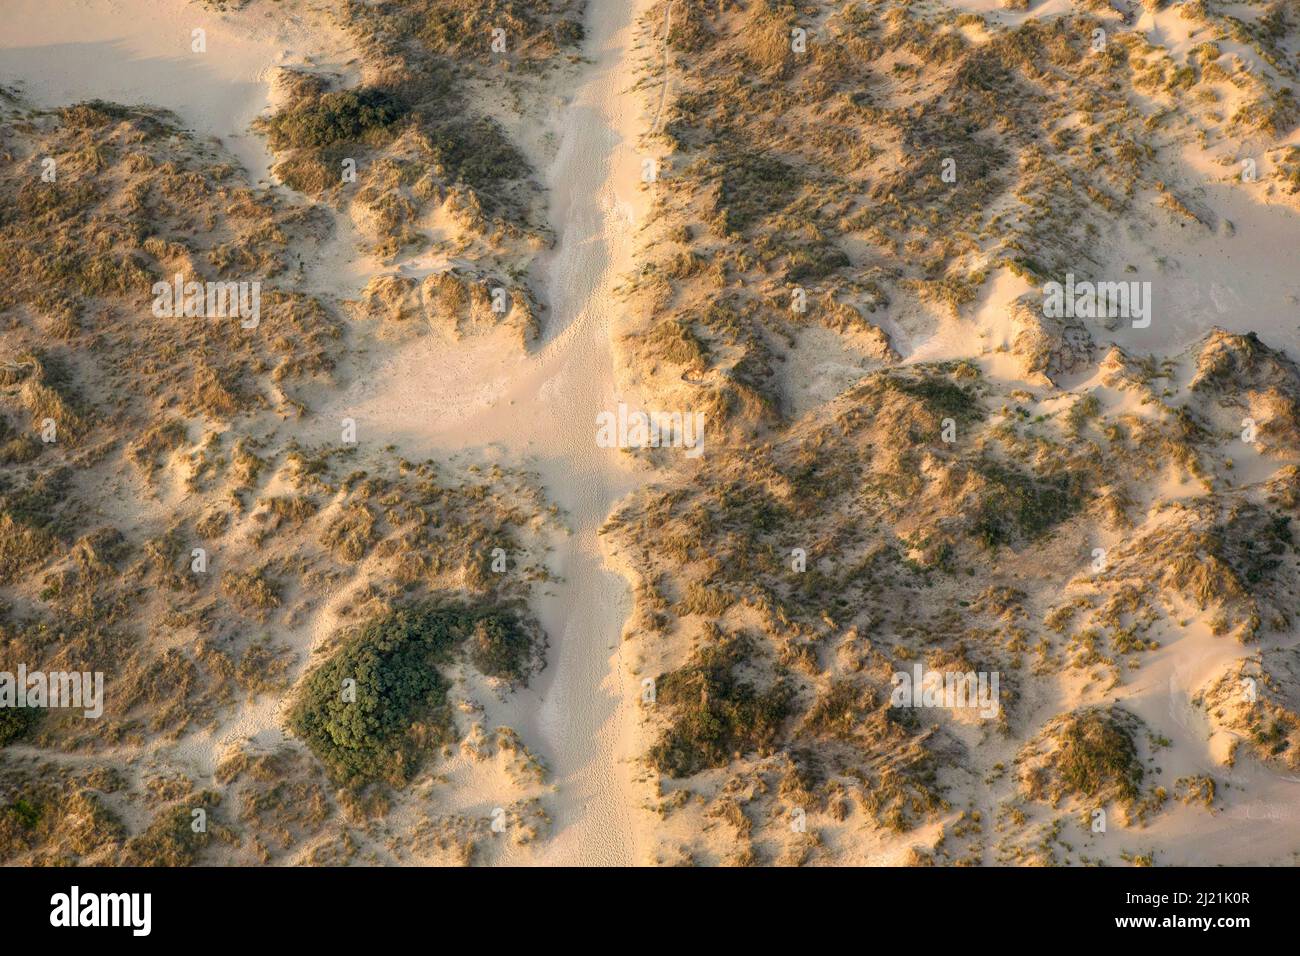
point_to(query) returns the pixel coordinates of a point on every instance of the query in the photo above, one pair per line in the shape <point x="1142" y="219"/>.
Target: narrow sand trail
<point x="586" y="717"/>
<point x="485" y="398"/>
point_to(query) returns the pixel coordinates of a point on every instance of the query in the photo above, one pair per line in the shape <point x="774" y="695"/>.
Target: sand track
<point x="584" y="721"/>
<point x="484" y="398"/>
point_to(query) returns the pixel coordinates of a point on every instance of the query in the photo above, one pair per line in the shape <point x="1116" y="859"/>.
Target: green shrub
<point x="16" y="721"/>
<point x="477" y="153"/>
<point x="364" y="115"/>
<point x="499" y="648"/>
<point x="400" y="703"/>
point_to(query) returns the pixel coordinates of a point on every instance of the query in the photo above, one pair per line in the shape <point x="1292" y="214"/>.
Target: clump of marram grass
<point x="278" y="798"/>
<point x="1085" y="409"/>
<point x="1266" y="720"/>
<point x="1197" y="788"/>
<point x="160" y="438"/>
<point x="1090" y="754"/>
<point x="171" y="839"/>
<point x="751" y="185"/>
<point x="56" y="821"/>
<point x="535" y="32"/>
<point x="1012" y="506"/>
<point x="944" y="394"/>
<point x="677" y="342"/>
<point x="35" y="517"/>
<point x="254" y="591"/>
<point x="418" y="136"/>
<point x="715" y="714"/>
<point x="351" y="534"/>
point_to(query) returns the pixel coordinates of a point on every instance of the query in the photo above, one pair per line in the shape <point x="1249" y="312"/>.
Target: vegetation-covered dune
<point x="176" y="516"/>
<point x="921" y="455"/>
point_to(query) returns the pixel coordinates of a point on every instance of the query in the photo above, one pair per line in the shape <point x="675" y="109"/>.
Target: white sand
<point x="138" y="52"/>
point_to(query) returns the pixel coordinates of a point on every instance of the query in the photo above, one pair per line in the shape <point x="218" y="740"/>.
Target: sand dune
<point x="797" y="270"/>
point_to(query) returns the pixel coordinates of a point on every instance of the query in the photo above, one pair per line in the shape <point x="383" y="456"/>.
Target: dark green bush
<point x="401" y="693"/>
<point x="477" y="153"/>
<point x="15" y="721"/>
<point x="346" y="116"/>
<point x="499" y="648"/>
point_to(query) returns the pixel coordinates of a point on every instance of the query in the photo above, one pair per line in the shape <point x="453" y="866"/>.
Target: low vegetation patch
<point x="716" y="713"/>
<point x="1090" y="753"/>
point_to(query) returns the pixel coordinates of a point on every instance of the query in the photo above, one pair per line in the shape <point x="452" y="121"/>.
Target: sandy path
<point x="485" y="398"/>
<point x="587" y="718"/>
<point x="584" y="718"/>
<point x="665" y="86"/>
